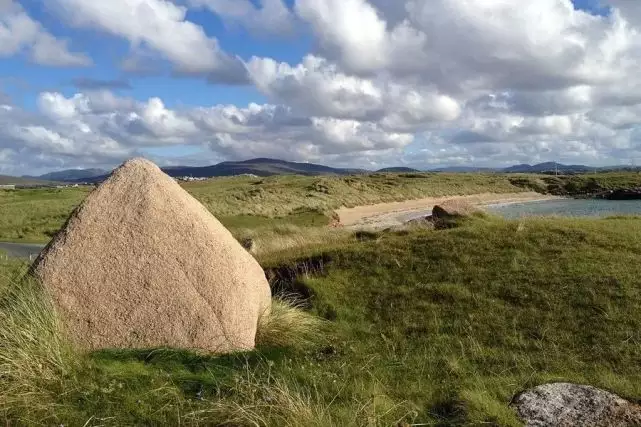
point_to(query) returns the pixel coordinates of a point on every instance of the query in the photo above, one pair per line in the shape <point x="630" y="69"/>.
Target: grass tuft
<point x="36" y="362"/>
<point x="285" y="237"/>
<point x="288" y="325"/>
<point x="258" y="400"/>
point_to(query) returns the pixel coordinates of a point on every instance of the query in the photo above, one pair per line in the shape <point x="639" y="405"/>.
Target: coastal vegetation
<point x="401" y="327"/>
<point x="585" y="185"/>
<point x="245" y="202"/>
<point x="389" y="328"/>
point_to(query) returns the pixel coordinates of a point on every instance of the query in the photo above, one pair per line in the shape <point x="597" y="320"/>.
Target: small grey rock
<point x="565" y="405"/>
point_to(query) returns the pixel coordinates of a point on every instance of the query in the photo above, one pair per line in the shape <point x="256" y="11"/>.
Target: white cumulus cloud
<point x="319" y="88"/>
<point x="159" y="25"/>
<point x="412" y="82"/>
<point x="270" y="17"/>
<point x="20" y="33"/>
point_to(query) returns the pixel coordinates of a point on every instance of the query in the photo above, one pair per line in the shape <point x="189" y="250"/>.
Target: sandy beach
<point x="390" y="214"/>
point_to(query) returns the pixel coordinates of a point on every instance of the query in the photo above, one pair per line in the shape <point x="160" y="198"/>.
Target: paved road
<point x="20" y="250"/>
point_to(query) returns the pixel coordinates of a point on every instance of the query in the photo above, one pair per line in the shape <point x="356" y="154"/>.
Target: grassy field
<point x="35" y="215"/>
<point x="416" y="327"/>
<point x="283" y="195"/>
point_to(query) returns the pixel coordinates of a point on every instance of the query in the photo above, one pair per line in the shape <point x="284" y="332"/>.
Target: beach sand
<point x="384" y="215"/>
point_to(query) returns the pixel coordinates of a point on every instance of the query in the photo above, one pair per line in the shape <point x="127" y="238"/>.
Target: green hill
<point x="34" y="215"/>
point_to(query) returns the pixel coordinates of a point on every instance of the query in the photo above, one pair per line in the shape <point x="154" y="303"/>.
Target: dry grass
<point x="288" y="325"/>
<point x="259" y="400"/>
<point x="285" y="237"/>
<point x="256" y="399"/>
<point x="36" y="362"/>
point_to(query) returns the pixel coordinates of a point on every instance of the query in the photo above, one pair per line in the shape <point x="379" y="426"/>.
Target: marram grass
<point x="36" y="362"/>
<point x="290" y="326"/>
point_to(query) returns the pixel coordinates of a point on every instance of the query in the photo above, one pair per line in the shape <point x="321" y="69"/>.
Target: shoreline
<point x="391" y="214"/>
<point x="518" y="202"/>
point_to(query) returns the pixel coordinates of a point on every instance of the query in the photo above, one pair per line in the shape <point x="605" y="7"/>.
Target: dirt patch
<point x="288" y="280"/>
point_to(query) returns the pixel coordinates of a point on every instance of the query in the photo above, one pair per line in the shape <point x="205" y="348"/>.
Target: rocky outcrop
<point x="623" y="194"/>
<point x="448" y="213"/>
<point x="569" y="405"/>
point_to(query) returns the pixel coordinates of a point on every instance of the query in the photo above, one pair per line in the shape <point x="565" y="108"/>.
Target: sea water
<point x="568" y="207"/>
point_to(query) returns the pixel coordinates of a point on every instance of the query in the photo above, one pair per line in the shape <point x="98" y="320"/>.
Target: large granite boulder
<point x="141" y="263"/>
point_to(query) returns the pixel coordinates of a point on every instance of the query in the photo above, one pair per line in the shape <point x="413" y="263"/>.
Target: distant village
<point x="191" y="178"/>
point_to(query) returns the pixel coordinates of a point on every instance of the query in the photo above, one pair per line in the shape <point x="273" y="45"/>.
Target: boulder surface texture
<point x="565" y="405"/>
<point x="142" y="264"/>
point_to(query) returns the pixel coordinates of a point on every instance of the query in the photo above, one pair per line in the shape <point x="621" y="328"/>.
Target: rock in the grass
<point x="565" y="405"/>
<point x="452" y="208"/>
<point x="141" y="263"/>
<point x="445" y="214"/>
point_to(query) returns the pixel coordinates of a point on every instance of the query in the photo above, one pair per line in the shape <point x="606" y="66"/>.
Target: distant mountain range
<point x="548" y="167"/>
<point x="14" y="180"/>
<point x="267" y="167"/>
<point x="259" y="167"/>
<point x="71" y="175"/>
<point x="398" y="170"/>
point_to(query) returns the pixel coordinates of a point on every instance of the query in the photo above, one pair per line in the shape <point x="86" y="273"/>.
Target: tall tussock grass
<point x="36" y="362"/>
<point x="261" y="396"/>
<point x="288" y="325"/>
<point x="268" y="240"/>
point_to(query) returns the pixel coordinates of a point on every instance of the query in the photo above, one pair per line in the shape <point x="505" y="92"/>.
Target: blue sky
<point x="108" y="51"/>
<point x="352" y="82"/>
